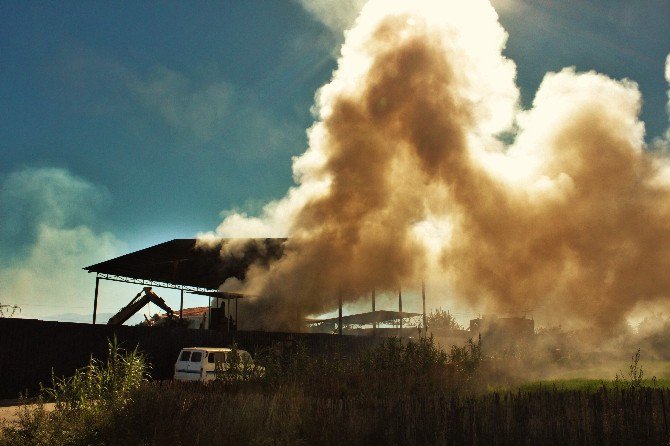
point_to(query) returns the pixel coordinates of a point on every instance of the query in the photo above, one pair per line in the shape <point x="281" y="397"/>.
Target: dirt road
<point x="11" y="413"/>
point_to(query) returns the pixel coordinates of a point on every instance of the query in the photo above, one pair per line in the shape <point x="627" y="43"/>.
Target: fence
<point x="31" y="349"/>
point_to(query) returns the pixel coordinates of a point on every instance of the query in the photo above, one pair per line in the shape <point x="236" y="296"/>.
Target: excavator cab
<point x="140" y="300"/>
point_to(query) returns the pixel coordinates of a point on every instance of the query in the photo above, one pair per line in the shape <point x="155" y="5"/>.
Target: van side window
<point x="185" y="356"/>
<point x="196" y="357"/>
<point x="210" y="358"/>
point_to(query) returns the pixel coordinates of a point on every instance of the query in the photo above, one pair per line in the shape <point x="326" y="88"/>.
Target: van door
<point x="181" y="367"/>
<point x="195" y="365"/>
<point x="189" y="365"/>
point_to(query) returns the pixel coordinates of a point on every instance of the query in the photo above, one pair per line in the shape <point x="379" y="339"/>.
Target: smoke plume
<point x="406" y="178"/>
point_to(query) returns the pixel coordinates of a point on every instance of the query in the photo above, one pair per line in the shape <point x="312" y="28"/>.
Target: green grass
<point x="396" y="393"/>
<point x="582" y="384"/>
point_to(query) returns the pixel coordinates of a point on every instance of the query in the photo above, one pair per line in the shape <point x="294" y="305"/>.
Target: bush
<point x="86" y="403"/>
<point x="101" y="384"/>
<point x="238" y="368"/>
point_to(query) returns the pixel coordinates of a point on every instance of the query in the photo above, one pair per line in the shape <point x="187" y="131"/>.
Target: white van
<point x="199" y="363"/>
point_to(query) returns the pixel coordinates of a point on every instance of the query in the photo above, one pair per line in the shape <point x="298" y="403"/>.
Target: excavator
<point x="136" y="305"/>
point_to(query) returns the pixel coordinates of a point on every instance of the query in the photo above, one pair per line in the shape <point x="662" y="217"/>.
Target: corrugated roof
<point x="194" y="311"/>
<point x="180" y="262"/>
<point x="377" y="317"/>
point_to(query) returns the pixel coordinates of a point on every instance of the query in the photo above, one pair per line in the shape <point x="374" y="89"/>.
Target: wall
<point x="30" y="349"/>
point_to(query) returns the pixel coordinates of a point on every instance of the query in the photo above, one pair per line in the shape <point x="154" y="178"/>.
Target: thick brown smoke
<point x="572" y="221"/>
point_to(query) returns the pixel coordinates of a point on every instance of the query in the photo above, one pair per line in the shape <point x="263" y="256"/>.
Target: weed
<point x="634" y="379"/>
<point x="85" y="402"/>
<point x="9" y="310"/>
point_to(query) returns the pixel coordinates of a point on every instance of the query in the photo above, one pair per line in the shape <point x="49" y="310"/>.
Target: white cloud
<point x="337" y="15"/>
<point x="199" y="109"/>
<point x="662" y="144"/>
<point x="54" y="214"/>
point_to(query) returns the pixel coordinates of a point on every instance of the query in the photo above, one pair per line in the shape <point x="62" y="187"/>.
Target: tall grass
<point x="194" y="414"/>
<point x="410" y="393"/>
<point x="101" y="384"/>
<point x="84" y="402"/>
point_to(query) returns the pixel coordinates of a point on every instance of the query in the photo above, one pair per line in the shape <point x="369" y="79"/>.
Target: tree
<point x="9" y="310"/>
<point x="442" y="319"/>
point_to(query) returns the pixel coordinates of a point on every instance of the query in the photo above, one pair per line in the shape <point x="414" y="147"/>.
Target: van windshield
<point x="185" y="355"/>
<point x="196" y="357"/>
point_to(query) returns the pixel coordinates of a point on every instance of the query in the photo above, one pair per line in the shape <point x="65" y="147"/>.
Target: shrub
<point x="86" y="403"/>
<point x="101" y="384"/>
<point x="441" y="319"/>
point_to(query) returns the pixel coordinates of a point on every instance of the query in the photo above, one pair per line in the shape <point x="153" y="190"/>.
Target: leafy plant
<point x="443" y="320"/>
<point x="101" y="384"/>
<point x="9" y="310"/>
<point x="237" y="367"/>
<point x="634" y="379"/>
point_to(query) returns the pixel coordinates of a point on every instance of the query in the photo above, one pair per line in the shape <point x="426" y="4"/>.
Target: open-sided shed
<point x="188" y="266"/>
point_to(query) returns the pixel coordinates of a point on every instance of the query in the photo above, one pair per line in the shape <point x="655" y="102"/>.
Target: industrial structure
<point x="185" y="265"/>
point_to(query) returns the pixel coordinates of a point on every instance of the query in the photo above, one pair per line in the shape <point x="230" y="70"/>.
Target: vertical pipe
<point x="423" y="297"/>
<point x="209" y="312"/>
<point x="95" y="299"/>
<point x="374" y="322"/>
<point x="181" y="306"/>
<point x="237" y="323"/>
<point x="339" y="316"/>
<point x="400" y="307"/>
<point x="228" y="317"/>
<point x="298" y="319"/>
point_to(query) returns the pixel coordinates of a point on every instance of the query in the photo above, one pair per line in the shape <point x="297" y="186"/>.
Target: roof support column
<point x="374" y="322"/>
<point x="95" y="299"/>
<point x="400" y="308"/>
<point x="237" y="323"/>
<point x="228" y="318"/>
<point x="339" y="316"/>
<point x="181" y="306"/>
<point x="423" y="298"/>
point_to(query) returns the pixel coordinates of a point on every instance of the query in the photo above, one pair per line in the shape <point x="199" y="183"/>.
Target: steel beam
<point x="95" y="299"/>
<point x="339" y="316"/>
<point x="400" y="308"/>
<point x="154" y="283"/>
<point x="423" y="298"/>
<point x="181" y="306"/>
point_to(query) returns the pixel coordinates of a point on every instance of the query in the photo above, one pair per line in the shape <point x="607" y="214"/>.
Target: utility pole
<point x="374" y="321"/>
<point x="400" y="307"/>
<point x="423" y="298"/>
<point x="339" y="316"/>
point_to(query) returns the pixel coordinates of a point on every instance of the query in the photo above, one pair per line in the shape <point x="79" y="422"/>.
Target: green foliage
<point x="467" y="358"/>
<point x="101" y="384"/>
<point x="9" y="310"/>
<point x="85" y="404"/>
<point x="398" y="392"/>
<point x="414" y="356"/>
<point x="393" y="365"/>
<point x="634" y="379"/>
<point x="237" y="368"/>
<point x="192" y="413"/>
<point x="441" y="319"/>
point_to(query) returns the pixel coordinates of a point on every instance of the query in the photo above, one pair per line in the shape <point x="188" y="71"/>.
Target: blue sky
<point x="126" y="124"/>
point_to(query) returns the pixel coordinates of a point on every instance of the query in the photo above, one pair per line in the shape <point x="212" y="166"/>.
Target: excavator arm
<point x="136" y="305"/>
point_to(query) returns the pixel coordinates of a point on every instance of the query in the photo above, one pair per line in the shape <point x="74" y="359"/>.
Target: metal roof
<point x="377" y="317"/>
<point x="180" y="262"/>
